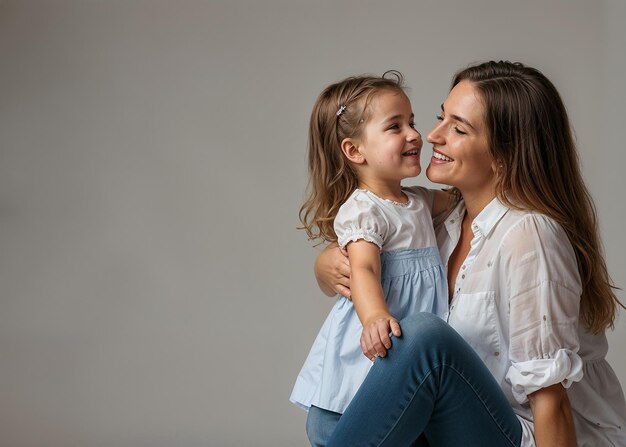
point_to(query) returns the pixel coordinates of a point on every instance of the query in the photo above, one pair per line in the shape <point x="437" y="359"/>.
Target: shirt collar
<point x="487" y="219"/>
<point x="453" y="220"/>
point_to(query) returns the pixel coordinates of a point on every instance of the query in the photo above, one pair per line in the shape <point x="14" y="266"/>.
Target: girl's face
<point x="390" y="144"/>
<point x="461" y="155"/>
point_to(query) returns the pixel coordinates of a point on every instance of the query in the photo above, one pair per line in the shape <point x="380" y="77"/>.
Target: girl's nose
<point x="414" y="135"/>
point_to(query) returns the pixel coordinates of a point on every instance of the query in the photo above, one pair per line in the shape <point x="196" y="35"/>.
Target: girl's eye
<point x="394" y="127"/>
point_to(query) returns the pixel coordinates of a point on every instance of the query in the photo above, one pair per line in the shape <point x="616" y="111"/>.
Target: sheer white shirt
<point x="516" y="302"/>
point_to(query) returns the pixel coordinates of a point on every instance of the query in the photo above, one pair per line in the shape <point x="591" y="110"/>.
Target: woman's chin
<point x="435" y="175"/>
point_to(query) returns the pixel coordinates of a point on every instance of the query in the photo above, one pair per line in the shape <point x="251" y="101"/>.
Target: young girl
<point x="362" y="144"/>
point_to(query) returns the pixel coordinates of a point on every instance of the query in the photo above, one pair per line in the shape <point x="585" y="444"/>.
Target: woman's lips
<point x="438" y="157"/>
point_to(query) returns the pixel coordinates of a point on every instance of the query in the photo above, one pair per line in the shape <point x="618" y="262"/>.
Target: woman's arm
<point x="332" y="271"/>
<point x="369" y="300"/>
<point x="554" y="424"/>
<point x="441" y="202"/>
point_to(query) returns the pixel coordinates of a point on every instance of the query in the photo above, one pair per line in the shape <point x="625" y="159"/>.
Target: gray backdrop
<point x="154" y="290"/>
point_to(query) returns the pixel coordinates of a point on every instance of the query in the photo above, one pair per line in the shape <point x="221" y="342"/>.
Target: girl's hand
<point x="375" y="338"/>
<point x="332" y="271"/>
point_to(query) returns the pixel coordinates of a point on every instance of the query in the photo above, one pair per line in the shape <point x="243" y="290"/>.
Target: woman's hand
<point x="332" y="271"/>
<point x="552" y="413"/>
<point x="375" y="338"/>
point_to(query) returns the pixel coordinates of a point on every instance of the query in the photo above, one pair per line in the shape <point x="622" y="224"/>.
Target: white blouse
<point x="516" y="302"/>
<point x="388" y="224"/>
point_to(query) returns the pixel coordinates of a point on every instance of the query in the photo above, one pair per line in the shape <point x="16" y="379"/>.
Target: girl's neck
<point x="384" y="190"/>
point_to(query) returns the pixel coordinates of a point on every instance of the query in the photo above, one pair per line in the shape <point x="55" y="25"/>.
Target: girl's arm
<point x="332" y="271"/>
<point x="554" y="424"/>
<point x="369" y="301"/>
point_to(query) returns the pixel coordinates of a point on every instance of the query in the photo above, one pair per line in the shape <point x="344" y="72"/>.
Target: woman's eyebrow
<point x="459" y="118"/>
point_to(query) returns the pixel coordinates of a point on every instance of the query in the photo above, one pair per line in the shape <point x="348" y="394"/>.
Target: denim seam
<point x="410" y="400"/>
<point x="471" y="387"/>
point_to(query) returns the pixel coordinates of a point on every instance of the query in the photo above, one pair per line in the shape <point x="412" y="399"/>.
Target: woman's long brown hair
<point x="341" y="111"/>
<point x="531" y="139"/>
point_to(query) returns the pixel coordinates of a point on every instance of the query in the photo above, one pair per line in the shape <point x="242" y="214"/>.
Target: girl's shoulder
<point x="420" y="194"/>
<point x="360" y="202"/>
<point x="419" y="191"/>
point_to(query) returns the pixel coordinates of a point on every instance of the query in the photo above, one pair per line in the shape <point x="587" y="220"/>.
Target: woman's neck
<point x="476" y="201"/>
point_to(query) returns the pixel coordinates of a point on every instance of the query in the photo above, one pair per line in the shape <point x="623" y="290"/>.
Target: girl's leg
<point x="320" y="424"/>
<point x="431" y="383"/>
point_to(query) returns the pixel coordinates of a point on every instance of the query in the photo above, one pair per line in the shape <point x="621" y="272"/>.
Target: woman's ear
<point x="497" y="167"/>
<point x="350" y="149"/>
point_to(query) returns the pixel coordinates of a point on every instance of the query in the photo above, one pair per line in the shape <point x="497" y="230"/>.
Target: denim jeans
<point x="430" y="389"/>
<point x="320" y="424"/>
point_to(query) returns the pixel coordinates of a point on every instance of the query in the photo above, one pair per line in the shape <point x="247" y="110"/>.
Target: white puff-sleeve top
<point x="388" y="224"/>
<point x="516" y="302"/>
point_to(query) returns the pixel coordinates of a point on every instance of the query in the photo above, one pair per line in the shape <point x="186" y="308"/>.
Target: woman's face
<point x="461" y="155"/>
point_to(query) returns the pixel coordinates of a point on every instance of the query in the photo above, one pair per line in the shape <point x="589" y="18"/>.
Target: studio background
<point x="154" y="290"/>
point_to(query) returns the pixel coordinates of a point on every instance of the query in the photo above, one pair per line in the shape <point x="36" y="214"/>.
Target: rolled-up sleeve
<point x="544" y="304"/>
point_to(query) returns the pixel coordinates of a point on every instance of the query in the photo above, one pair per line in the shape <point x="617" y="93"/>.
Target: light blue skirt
<point x="413" y="280"/>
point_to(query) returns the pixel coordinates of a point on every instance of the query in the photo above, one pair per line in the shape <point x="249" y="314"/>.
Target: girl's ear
<point x="351" y="151"/>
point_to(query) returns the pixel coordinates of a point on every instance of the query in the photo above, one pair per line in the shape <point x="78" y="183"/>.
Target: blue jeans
<point x="320" y="424"/>
<point x="431" y="389"/>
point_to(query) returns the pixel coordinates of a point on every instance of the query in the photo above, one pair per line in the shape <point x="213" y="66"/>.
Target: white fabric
<point x="390" y="225"/>
<point x="527" y="377"/>
<point x="516" y="302"/>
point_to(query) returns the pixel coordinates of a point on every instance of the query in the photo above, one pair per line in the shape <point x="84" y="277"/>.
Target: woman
<point x="520" y="361"/>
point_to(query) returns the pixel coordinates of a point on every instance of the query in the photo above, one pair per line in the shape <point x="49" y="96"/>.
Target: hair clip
<point x="341" y="110"/>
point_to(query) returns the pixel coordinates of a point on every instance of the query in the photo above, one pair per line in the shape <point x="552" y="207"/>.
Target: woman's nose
<point x="435" y="136"/>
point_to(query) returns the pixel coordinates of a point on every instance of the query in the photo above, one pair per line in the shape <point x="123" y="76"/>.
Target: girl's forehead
<point x="389" y="100"/>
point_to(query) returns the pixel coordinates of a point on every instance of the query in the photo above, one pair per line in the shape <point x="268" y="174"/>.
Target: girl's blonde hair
<point x="341" y="111"/>
<point x="531" y="141"/>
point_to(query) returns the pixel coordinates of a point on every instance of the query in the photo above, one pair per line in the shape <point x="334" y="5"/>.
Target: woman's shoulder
<point x="529" y="223"/>
<point x="537" y="248"/>
<point x="526" y="232"/>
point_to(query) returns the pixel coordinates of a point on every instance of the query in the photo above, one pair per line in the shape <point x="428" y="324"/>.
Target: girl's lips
<point x="412" y="153"/>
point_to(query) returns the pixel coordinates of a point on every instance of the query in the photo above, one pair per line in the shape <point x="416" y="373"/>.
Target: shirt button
<point x="463" y="267"/>
<point x="451" y="307"/>
<point x="452" y="221"/>
<point x="497" y="353"/>
<point x="544" y="318"/>
<point x="462" y="276"/>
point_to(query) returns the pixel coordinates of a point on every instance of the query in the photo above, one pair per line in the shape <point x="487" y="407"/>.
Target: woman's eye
<point x="394" y="126"/>
<point x="459" y="131"/>
<point x="439" y="117"/>
<point x="412" y="125"/>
